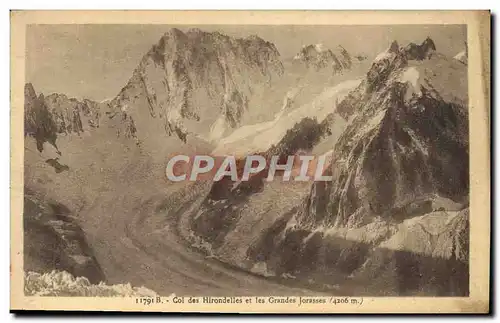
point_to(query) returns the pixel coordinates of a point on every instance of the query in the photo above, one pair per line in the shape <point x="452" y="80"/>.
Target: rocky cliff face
<point x="395" y="217"/>
<point x="319" y="57"/>
<point x="38" y="121"/>
<point x="53" y="241"/>
<point x="401" y="176"/>
<point x="56" y="114"/>
<point x="198" y="83"/>
<point x="71" y="115"/>
<point x="403" y="136"/>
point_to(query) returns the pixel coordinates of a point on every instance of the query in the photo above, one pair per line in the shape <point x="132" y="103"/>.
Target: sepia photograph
<point x="318" y="166"/>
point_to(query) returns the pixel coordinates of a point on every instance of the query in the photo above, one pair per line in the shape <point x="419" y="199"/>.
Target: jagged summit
<point x="394" y="47"/>
<point x="319" y="57"/>
<point x="403" y="121"/>
<point x="29" y="91"/>
<point x="46" y="117"/>
<point x="422" y="51"/>
<point x="197" y="44"/>
<point x="190" y="81"/>
<point x="410" y="52"/>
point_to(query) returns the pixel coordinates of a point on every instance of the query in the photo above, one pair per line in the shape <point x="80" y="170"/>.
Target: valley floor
<point x="136" y="240"/>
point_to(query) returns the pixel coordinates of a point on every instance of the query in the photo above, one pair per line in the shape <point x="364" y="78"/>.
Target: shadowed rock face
<point x="401" y="144"/>
<point x="408" y="153"/>
<point x="422" y="51"/>
<point x="304" y="135"/>
<point x="38" y="121"/>
<point x="56" y="114"/>
<point x="53" y="241"/>
<point x="189" y="80"/>
<point x="394" y="219"/>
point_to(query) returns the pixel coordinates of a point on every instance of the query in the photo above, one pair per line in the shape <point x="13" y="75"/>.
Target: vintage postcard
<point x="250" y="162"/>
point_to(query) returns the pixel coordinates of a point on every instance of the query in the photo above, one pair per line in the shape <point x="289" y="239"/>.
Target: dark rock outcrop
<point x="53" y="241"/>
<point x="422" y="51"/>
<point x="38" y="121"/>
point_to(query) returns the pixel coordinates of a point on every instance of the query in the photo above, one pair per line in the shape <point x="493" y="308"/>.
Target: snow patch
<point x="218" y="129"/>
<point x="260" y="268"/>
<point x="81" y="260"/>
<point x="462" y="57"/>
<point x="107" y="100"/>
<point x="319" y="48"/>
<point x="432" y="224"/>
<point x="311" y="234"/>
<point x="288" y="276"/>
<point x="410" y="75"/>
<point x="383" y="55"/>
<point x="260" y="137"/>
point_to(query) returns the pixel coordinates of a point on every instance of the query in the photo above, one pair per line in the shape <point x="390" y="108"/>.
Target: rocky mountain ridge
<point x="54" y="241"/>
<point x="47" y="117"/>
<point x="197" y="82"/>
<point x="395" y="182"/>
<point x="319" y="57"/>
<point x="393" y="220"/>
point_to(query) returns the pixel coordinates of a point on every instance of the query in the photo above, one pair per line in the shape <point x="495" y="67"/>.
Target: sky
<point x="95" y="61"/>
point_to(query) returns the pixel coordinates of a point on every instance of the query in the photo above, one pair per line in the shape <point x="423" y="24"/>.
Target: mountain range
<point x="393" y="221"/>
